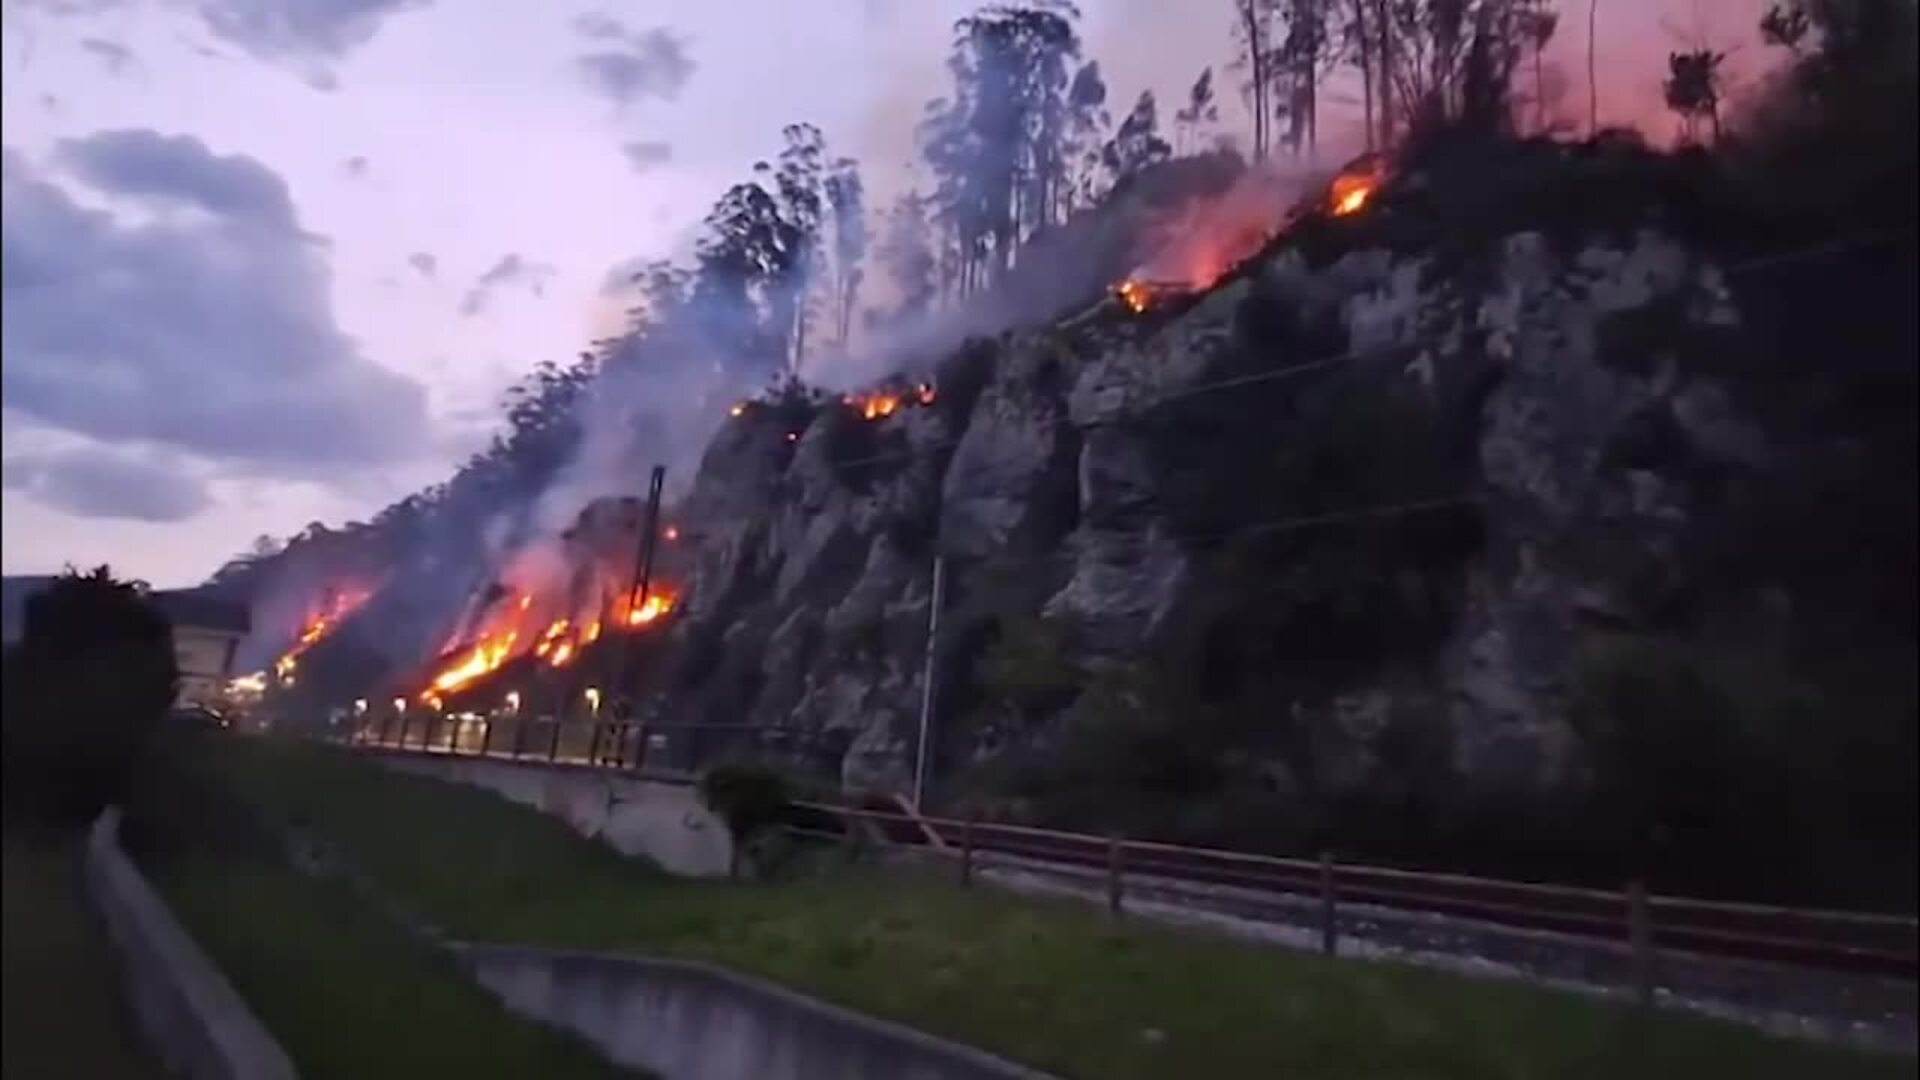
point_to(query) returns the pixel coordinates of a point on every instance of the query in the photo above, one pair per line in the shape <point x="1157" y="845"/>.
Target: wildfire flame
<point x="873" y="406"/>
<point x="657" y="604"/>
<point x="558" y="644"/>
<point x="878" y="404"/>
<point x="483" y="660"/>
<point x="1354" y="187"/>
<point x="337" y="605"/>
<point x="1139" y="294"/>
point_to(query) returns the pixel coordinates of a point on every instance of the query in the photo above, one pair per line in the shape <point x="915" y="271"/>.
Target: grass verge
<point x="64" y="1014"/>
<point x="1052" y="984"/>
<point x="348" y="994"/>
<point x="345" y="993"/>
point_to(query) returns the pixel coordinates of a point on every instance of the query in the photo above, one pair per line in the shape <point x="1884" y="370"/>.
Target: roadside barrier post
<point x="966" y="850"/>
<point x="1640" y="940"/>
<point x="1329" y="924"/>
<point x="1115" y="847"/>
<point x="593" y="745"/>
<point x="486" y="736"/>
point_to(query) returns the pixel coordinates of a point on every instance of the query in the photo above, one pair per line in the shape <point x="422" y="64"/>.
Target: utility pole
<point x="921" y="755"/>
<point x="642" y="578"/>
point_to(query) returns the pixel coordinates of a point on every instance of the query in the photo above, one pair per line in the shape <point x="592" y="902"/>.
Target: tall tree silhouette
<point x="847" y="201"/>
<point x="1692" y="90"/>
<point x="1253" y="34"/>
<point x="1137" y="144"/>
<point x="1199" y="113"/>
<point x="1000" y="145"/>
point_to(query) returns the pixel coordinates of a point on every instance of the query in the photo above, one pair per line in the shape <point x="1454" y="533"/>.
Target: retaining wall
<point x="190" y="1015"/>
<point x="691" y="1021"/>
<point x="661" y="820"/>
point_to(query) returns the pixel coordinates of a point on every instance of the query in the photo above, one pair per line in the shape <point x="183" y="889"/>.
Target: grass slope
<point x="346" y="994"/>
<point x="64" y="1016"/>
<point x="1052" y="984"/>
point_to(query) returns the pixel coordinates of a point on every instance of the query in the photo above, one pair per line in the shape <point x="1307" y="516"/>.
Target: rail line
<point x="1275" y="888"/>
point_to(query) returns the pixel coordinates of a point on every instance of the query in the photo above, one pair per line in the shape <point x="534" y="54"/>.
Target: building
<point x="206" y="633"/>
<point x="14" y="590"/>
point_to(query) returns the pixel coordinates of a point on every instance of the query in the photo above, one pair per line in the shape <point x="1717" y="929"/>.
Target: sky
<point x="270" y="262"/>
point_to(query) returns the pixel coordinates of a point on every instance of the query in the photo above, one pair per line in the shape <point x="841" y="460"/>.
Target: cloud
<point x="627" y="66"/>
<point x="646" y="155"/>
<point x="511" y="270"/>
<point x="211" y="334"/>
<point x="308" y="35"/>
<point x="355" y="166"/>
<point x="115" y="56"/>
<point x="301" y="30"/>
<point x="179" y="170"/>
<point x="104" y="482"/>
<point x="424" y="263"/>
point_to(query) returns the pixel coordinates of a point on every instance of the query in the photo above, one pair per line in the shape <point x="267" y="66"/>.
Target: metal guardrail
<point x="1631" y="918"/>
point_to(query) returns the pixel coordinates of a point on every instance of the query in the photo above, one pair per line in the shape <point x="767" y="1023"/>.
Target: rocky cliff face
<point x="1565" y="365"/>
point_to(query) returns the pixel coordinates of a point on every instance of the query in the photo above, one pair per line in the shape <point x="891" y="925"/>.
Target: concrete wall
<point x="190" y="1016"/>
<point x="690" y="1021"/>
<point x="663" y="821"/>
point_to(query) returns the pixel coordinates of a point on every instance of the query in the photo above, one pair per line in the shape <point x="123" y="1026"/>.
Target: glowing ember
<point x="1139" y="294"/>
<point x="879" y="404"/>
<point x="1352" y="200"/>
<point x="793" y="436"/>
<point x="672" y="533"/>
<point x="739" y="409"/>
<point x="1354" y="187"/>
<point x="656" y="604"/>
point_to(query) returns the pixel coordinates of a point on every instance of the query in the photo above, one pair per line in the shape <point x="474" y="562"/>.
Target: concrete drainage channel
<point x="191" y="1017"/>
<point x="679" y="1019"/>
<point x="693" y="1021"/>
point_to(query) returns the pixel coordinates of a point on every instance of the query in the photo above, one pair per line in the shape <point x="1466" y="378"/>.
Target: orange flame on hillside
<point x="659" y="602"/>
<point x="335" y="605"/>
<point x="560" y="642"/>
<point x="1354" y="187"/>
<point x="881" y="403"/>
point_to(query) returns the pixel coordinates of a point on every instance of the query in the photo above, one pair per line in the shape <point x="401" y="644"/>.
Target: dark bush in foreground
<point x="749" y="798"/>
<point x="87" y="688"/>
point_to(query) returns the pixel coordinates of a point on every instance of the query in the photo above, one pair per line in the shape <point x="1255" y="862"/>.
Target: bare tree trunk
<point x="1365" y="42"/>
<point x="1250" y="19"/>
<point x="1593" y="72"/>
<point x="1385" y="60"/>
<point x="1313" y="113"/>
<point x="1539" y="91"/>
